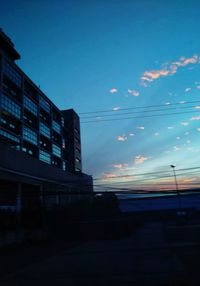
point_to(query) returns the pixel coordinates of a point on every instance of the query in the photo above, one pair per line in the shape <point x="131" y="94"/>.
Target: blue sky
<point x="112" y="54"/>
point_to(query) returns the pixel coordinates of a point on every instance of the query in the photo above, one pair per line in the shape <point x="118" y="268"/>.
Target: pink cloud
<point x="140" y="159"/>
<point x="113" y="90"/>
<point x="167" y="69"/>
<point x="109" y="175"/>
<point x="121" y="138"/>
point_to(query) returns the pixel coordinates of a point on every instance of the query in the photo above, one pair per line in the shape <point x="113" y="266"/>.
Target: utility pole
<point x="177" y="189"/>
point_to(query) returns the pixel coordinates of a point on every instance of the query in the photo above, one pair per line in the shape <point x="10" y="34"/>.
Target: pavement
<point x="157" y="254"/>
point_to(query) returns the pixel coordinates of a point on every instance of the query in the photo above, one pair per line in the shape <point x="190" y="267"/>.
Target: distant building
<point x="40" y="146"/>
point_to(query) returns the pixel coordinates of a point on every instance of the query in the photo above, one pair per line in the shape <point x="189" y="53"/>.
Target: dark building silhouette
<point x="40" y="146"/>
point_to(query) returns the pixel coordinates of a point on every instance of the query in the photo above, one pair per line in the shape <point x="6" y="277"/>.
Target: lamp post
<point x="177" y="189"/>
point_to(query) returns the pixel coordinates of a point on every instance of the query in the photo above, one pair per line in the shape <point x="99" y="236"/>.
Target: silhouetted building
<point x="45" y="142"/>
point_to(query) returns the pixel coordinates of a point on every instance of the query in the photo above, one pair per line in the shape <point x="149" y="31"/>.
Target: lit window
<point x="56" y="126"/>
<point x="29" y="135"/>
<point x="45" y="157"/>
<point x="9" y="136"/>
<point x="56" y="150"/>
<point x="44" y="104"/>
<point x="30" y="105"/>
<point x="44" y="130"/>
<point x="10" y="106"/>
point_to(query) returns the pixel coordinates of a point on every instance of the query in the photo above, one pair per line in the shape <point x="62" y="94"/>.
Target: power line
<point x="138" y="107"/>
<point x="134" y="117"/>
<point x="143" y="111"/>
<point x="147" y="173"/>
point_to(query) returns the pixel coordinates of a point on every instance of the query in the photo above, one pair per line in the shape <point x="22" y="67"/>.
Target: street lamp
<point x="177" y="189"/>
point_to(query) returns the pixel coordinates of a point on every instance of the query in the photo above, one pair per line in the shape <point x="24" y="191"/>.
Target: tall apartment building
<point x="39" y="143"/>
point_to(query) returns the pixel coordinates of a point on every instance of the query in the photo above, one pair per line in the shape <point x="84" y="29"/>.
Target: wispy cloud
<point x="156" y="133"/>
<point x="185" y="123"/>
<point x="170" y="127"/>
<point x="197" y="107"/>
<point x="134" y="92"/>
<point x="176" y="148"/>
<point x="116" y="108"/>
<point x="167" y="69"/>
<point x="131" y="134"/>
<point x="187" y="89"/>
<point x="113" y="90"/>
<point x="195" y="118"/>
<point x="119" y="166"/>
<point x="140" y="159"/>
<point x="198" y="129"/>
<point x="140" y="127"/>
<point x="121" y="138"/>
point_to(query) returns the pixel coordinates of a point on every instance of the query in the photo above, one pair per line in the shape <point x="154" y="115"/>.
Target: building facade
<point x="35" y="128"/>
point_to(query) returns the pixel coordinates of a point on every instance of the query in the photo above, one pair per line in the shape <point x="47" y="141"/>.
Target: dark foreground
<point x="159" y="252"/>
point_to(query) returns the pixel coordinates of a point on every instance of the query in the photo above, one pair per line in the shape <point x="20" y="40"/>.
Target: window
<point x="64" y="166"/>
<point x="63" y="143"/>
<point x="62" y="121"/>
<point x="56" y="150"/>
<point x="9" y="136"/>
<point x="45" y="157"/>
<point x="76" y="130"/>
<point x="56" y="126"/>
<point x="10" y="106"/>
<point x="44" y="130"/>
<point x="30" y="105"/>
<point x="30" y="135"/>
<point x="12" y="74"/>
<point x="44" y="104"/>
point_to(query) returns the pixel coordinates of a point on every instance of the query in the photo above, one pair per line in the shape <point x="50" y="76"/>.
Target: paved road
<point x="154" y="255"/>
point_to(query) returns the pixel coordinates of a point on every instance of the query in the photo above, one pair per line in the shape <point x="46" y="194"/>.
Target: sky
<point x="120" y="57"/>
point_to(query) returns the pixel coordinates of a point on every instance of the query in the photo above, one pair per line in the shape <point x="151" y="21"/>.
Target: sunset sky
<point x="116" y="56"/>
